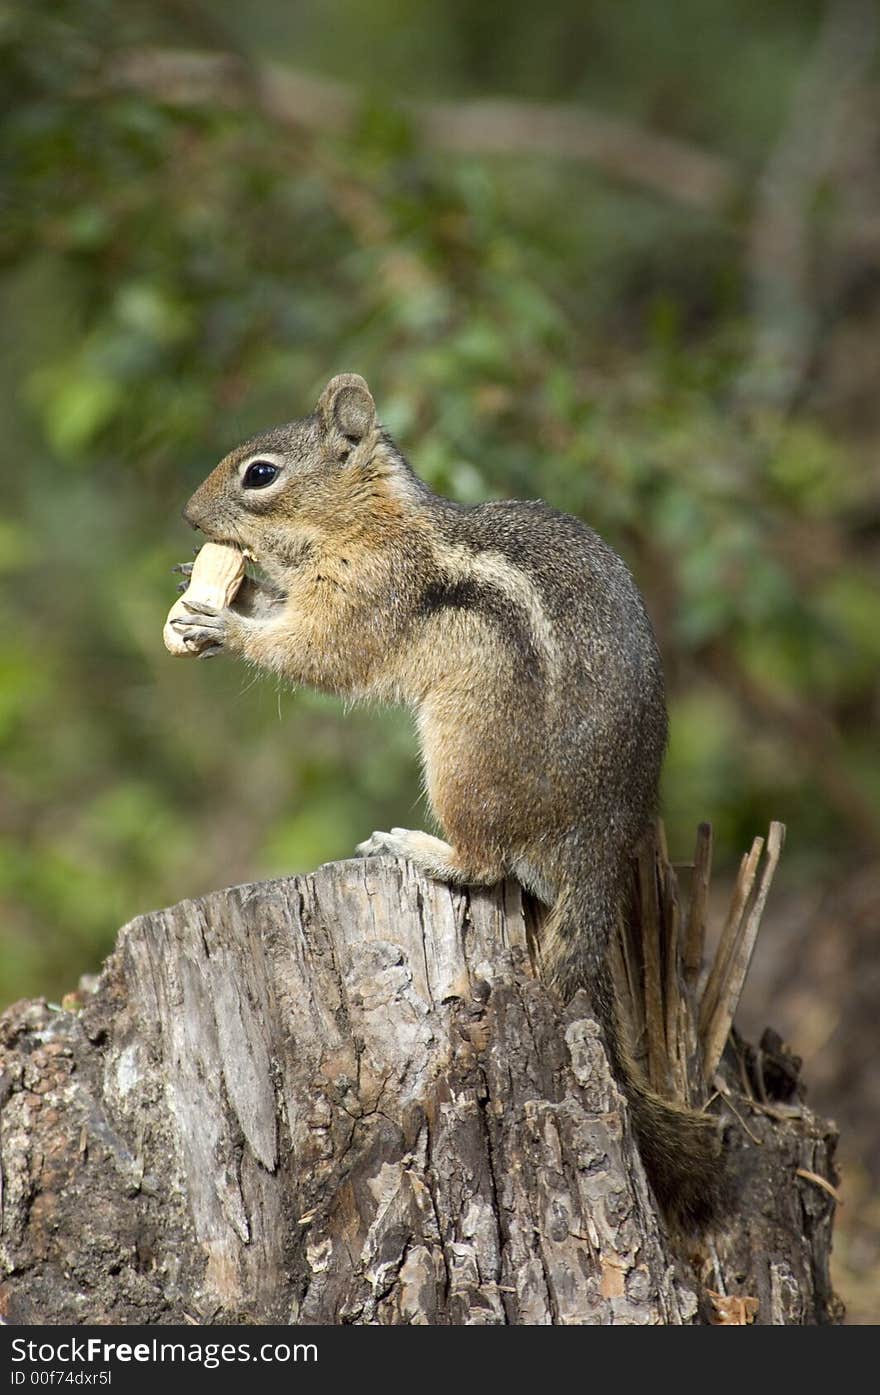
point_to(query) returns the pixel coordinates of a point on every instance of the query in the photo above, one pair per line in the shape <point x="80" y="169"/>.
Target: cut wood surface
<point x="345" y="1098"/>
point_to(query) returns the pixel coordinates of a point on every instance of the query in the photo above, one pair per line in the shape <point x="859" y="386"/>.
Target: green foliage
<point x="180" y="277"/>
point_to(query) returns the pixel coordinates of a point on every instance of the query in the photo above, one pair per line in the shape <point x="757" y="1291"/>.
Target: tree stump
<point x="347" y="1098"/>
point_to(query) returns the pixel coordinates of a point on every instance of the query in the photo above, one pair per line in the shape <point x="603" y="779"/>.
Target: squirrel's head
<point x="282" y="491"/>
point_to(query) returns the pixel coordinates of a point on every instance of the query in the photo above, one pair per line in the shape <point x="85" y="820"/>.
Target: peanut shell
<point x="217" y="574"/>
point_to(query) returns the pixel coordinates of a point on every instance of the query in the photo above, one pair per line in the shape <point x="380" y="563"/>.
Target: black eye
<point x="259" y="474"/>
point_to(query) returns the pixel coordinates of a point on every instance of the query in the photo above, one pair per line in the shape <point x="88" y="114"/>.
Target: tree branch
<point x="290" y="97"/>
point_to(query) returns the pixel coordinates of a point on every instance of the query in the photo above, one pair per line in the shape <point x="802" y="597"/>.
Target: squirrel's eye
<point x="259" y="474"/>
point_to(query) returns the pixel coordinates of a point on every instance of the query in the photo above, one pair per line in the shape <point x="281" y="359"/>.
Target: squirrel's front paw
<point x="203" y="630"/>
<point x="184" y="569"/>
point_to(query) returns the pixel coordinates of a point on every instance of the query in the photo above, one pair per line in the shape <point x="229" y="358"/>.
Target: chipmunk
<point x="521" y="643"/>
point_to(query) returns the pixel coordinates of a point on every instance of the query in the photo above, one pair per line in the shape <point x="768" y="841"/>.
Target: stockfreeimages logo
<point x="92" y="1350"/>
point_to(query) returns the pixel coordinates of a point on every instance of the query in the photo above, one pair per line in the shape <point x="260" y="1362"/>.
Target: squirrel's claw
<point x="203" y="630"/>
<point x="372" y="846"/>
<point x="198" y="608"/>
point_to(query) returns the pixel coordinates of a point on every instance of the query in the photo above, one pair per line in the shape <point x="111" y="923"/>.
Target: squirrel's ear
<point x="347" y="405"/>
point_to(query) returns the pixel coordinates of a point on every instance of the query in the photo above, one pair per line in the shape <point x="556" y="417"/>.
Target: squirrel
<point x="519" y="639"/>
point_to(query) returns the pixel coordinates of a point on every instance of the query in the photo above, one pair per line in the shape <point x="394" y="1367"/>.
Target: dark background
<point x="646" y="288"/>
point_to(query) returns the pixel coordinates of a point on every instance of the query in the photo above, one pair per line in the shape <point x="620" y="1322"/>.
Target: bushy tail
<point x="681" y="1150"/>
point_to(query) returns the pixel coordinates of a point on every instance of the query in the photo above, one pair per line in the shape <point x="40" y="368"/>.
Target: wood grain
<point x="346" y="1098"/>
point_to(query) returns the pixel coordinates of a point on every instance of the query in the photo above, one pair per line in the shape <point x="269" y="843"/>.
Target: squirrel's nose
<point x="192" y="512"/>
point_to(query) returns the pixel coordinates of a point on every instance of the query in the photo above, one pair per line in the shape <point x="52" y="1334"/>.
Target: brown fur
<point x="520" y="642"/>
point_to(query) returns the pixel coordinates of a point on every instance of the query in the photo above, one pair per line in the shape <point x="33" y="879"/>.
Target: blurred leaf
<point x="74" y="406"/>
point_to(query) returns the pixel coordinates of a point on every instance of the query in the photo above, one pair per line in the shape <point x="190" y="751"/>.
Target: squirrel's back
<point x="582" y="623"/>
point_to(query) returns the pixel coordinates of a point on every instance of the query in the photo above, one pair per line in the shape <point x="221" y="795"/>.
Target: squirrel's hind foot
<point x="430" y="855"/>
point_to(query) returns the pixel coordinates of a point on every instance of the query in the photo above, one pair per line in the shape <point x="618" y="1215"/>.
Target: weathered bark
<point x="346" y="1098"/>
